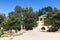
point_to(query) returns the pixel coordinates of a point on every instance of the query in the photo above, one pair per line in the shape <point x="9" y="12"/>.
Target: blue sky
<point x="7" y="6"/>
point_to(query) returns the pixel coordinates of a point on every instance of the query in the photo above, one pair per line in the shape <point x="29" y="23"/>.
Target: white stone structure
<point x="40" y="22"/>
<point x="1" y="28"/>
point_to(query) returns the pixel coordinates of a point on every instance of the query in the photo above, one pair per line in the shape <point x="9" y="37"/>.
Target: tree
<point x="24" y="16"/>
<point x="14" y="21"/>
<point x="18" y="9"/>
<point x="30" y="19"/>
<point x="3" y="21"/>
<point x="53" y="19"/>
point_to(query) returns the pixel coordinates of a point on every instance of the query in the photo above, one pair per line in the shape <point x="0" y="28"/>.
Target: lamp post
<point x="21" y="28"/>
<point x="21" y="22"/>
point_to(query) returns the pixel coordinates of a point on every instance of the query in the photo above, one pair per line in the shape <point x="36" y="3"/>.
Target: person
<point x="10" y="34"/>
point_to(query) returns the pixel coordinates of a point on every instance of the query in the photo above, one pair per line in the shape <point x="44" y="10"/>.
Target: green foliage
<point x="3" y="21"/>
<point x="14" y="20"/>
<point x="27" y="17"/>
<point x="53" y="19"/>
<point x="18" y="9"/>
<point x="24" y="16"/>
<point x="1" y="32"/>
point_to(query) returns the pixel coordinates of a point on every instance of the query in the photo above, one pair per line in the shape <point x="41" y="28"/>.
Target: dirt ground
<point x="36" y="35"/>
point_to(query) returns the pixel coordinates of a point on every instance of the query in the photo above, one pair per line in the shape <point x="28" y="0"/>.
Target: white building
<point x="41" y="25"/>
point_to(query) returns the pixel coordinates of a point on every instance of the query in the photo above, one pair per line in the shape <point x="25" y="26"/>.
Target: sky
<point x="7" y="6"/>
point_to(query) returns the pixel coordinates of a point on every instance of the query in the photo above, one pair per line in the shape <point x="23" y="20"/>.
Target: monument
<point x="40" y="22"/>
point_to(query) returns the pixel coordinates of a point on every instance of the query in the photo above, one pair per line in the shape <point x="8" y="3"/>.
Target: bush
<point x="28" y="28"/>
<point x="16" y="31"/>
<point x="1" y="32"/>
<point x="52" y="29"/>
<point x="5" y="32"/>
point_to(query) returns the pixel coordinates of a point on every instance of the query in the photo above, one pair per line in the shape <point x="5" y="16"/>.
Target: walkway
<point x="36" y="35"/>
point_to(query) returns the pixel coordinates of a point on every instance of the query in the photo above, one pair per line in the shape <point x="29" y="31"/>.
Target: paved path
<point x="36" y="35"/>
